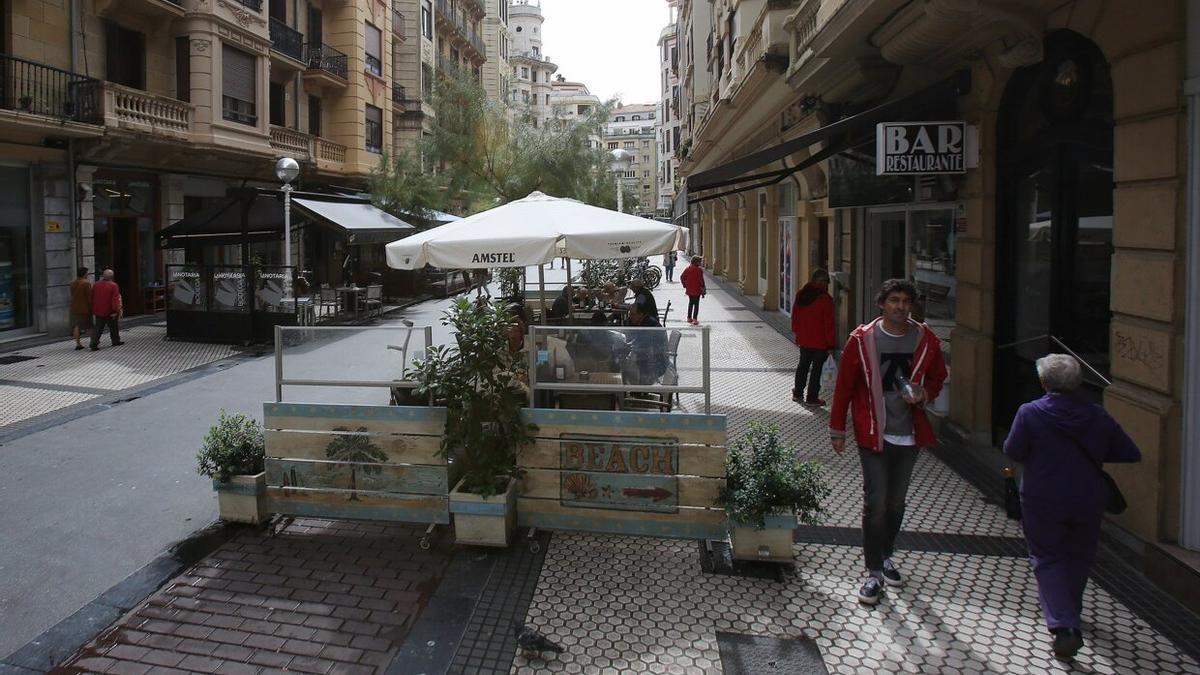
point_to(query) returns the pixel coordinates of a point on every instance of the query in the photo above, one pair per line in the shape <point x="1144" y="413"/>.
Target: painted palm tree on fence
<point x="359" y="455"/>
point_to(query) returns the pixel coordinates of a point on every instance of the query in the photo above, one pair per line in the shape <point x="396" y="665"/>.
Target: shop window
<point x="374" y="121"/>
<point x="125" y="52"/>
<point x="238" y="75"/>
<point x="16" y="250"/>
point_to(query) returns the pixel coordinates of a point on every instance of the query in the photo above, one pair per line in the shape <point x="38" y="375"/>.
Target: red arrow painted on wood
<point x="657" y="493"/>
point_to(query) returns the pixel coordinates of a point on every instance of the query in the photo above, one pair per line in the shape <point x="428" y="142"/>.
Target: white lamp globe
<point x="286" y="169"/>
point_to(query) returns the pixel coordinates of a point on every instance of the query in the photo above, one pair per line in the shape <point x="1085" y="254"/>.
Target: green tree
<point x="400" y="186"/>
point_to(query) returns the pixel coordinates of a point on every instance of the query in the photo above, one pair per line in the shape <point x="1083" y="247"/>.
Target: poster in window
<point x="187" y="289"/>
<point x="229" y="290"/>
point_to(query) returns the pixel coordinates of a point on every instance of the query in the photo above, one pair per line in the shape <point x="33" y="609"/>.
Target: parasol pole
<point x="570" y="300"/>
<point x="542" y="289"/>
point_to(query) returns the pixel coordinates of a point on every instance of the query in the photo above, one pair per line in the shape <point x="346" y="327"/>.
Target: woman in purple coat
<point x="1062" y="492"/>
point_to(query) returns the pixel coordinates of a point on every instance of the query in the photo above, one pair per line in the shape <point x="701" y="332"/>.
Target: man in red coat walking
<point x="890" y="368"/>
<point x="106" y="308"/>
<point x="693" y="284"/>
<point x="812" y="324"/>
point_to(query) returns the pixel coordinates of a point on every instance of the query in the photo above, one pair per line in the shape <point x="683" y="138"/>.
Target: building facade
<point x="1062" y="224"/>
<point x="532" y="71"/>
<point x="668" y="130"/>
<point x="633" y="128"/>
<point x="496" y="38"/>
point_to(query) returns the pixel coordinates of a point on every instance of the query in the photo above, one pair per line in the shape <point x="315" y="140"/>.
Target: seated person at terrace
<point x="612" y="294"/>
<point x="643" y="296"/>
<point x="649" y="347"/>
<point x="561" y="307"/>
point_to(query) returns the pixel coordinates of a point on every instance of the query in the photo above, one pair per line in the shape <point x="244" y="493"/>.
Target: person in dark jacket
<point x="562" y="306"/>
<point x="812" y="324"/>
<point x="1061" y="441"/>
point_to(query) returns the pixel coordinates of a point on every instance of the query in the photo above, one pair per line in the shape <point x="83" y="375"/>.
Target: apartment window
<point x="183" y="69"/>
<point x="524" y="96"/>
<point x="534" y="74"/>
<point x="637" y="117"/>
<point x="524" y="73"/>
<point x="374" y="129"/>
<point x="645" y="144"/>
<point x="314" y="115"/>
<point x="629" y="145"/>
<point x="426" y="81"/>
<point x="239" y="72"/>
<point x="646" y="174"/>
<point x="651" y="115"/>
<point x="427" y="19"/>
<point x="125" y="52"/>
<point x="612" y="145"/>
<point x="547" y="99"/>
<point x="584" y="109"/>
<point x="619" y="118"/>
<point x="645" y="158"/>
<point x="374" y="50"/>
<point x="276" y="99"/>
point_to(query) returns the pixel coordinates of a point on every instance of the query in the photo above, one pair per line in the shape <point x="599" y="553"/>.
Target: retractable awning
<point x="259" y="217"/>
<point x="844" y="134"/>
<point x="363" y="223"/>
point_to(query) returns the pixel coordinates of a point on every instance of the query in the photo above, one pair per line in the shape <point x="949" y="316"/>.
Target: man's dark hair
<point x="896" y="286"/>
<point x="83" y="271"/>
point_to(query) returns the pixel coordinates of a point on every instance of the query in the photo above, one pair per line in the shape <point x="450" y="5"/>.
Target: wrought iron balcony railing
<point x="255" y="5"/>
<point x="324" y="57"/>
<point x="287" y="40"/>
<point x="44" y="90"/>
<point x="398" y="24"/>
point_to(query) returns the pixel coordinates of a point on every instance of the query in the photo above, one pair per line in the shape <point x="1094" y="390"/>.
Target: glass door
<point x="762" y="242"/>
<point x="886" y="256"/>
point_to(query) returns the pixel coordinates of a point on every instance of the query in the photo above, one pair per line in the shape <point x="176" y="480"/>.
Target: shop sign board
<point x="622" y="473"/>
<point x="905" y="148"/>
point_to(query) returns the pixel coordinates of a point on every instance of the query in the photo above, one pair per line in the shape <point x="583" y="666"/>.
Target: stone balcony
<point x="327" y="156"/>
<point x="141" y="112"/>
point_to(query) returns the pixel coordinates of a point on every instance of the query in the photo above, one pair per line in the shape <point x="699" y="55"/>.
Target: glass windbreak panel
<point x="931" y="248"/>
<point x="272" y="286"/>
<point x="602" y="365"/>
<point x="1087" y="333"/>
<point x="353" y="364"/>
<point x="187" y="288"/>
<point x="229" y="290"/>
<point x="145" y="235"/>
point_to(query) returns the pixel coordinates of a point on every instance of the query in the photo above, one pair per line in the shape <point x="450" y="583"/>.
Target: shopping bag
<point x="828" y="375"/>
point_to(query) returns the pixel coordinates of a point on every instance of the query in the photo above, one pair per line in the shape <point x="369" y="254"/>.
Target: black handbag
<point x="1012" y="497"/>
<point x="1115" y="504"/>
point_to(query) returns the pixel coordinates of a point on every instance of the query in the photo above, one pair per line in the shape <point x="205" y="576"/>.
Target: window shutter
<point x="374" y="115"/>
<point x="238" y="73"/>
<point x="374" y="39"/>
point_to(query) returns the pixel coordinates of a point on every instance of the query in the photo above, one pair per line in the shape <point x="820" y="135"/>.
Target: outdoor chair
<point x="662" y="316"/>
<point x="328" y="299"/>
<point x="374" y="301"/>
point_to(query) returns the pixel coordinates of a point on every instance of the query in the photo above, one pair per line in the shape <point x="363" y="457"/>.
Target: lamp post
<point x="620" y="164"/>
<point x="286" y="170"/>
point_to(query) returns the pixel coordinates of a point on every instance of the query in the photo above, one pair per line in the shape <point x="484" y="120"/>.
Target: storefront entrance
<point x="1054" y="221"/>
<point x="16" y="253"/>
<point x="124" y="236"/>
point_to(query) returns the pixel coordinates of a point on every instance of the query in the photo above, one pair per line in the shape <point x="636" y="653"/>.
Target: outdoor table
<point x="355" y="295"/>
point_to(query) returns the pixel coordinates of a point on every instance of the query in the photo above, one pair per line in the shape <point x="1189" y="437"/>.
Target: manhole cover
<point x="758" y="655"/>
<point x="14" y="358"/>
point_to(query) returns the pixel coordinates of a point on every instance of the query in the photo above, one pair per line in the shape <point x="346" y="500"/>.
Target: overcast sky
<point x="610" y="46"/>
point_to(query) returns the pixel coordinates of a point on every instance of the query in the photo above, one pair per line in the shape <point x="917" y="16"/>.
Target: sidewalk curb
<point x="60" y="641"/>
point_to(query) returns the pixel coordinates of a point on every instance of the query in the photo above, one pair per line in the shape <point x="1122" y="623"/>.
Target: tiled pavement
<point x="45" y="378"/>
<point x="628" y="604"/>
<point x="319" y="597"/>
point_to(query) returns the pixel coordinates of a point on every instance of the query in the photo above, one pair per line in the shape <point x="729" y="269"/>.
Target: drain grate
<point x="14" y="358"/>
<point x="758" y="655"/>
<point x="716" y="558"/>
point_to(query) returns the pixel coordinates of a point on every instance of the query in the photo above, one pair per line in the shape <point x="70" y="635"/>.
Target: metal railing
<point x="44" y="90"/>
<point x="326" y="58"/>
<point x="399" y="94"/>
<point x="398" y="24"/>
<point x="286" y="40"/>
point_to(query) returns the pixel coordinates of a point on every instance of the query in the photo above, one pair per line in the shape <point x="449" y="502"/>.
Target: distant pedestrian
<point x="81" y="307"/>
<point x="106" y="309"/>
<point x="812" y="324"/>
<point x="890" y="367"/>
<point x="693" y="284"/>
<point x="669" y="265"/>
<point x="1063" y="441"/>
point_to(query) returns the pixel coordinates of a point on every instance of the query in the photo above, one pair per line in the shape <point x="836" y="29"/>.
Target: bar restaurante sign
<point x="920" y="148"/>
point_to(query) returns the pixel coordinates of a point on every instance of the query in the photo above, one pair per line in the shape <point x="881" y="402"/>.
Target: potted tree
<point x="480" y="381"/>
<point x="233" y="454"/>
<point x="766" y="490"/>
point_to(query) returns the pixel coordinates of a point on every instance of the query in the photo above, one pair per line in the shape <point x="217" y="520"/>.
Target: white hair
<point x="1059" y="372"/>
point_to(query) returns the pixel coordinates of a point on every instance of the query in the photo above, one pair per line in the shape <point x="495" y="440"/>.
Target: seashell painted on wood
<point x="580" y="485"/>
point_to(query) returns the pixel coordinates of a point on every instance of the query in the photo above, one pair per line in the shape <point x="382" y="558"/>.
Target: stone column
<point x="53" y="226"/>
<point x="205" y="98"/>
<point x="751" y="269"/>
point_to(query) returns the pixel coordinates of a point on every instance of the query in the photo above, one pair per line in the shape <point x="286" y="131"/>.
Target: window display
<point x="16" y="292"/>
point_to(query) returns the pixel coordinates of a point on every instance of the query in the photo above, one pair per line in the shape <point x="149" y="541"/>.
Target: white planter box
<point x="243" y="499"/>
<point x="484" y="522"/>
<point x="773" y="543"/>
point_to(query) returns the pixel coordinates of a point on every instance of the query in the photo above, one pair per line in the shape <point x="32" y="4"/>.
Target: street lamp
<point x="620" y="164"/>
<point x="286" y="170"/>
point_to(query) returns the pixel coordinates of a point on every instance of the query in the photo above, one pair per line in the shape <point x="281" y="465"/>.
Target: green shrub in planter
<point x="764" y="477"/>
<point x="233" y="446"/>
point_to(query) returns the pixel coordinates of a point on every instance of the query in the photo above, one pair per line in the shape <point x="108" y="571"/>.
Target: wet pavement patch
<point x="10" y="359"/>
<point x="758" y="655"/>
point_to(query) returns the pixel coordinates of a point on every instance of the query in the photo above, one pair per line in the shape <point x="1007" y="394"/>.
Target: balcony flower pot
<point x="770" y="543"/>
<point x="767" y="489"/>
<point x="242" y="498"/>
<point x="484" y="521"/>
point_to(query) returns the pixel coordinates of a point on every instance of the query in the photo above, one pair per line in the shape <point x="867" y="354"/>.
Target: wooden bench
<point x="357" y="462"/>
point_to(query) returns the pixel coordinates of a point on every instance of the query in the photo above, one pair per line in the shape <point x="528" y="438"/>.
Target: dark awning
<point x="846" y="133"/>
<point x="364" y="223"/>
<point x="223" y="224"/>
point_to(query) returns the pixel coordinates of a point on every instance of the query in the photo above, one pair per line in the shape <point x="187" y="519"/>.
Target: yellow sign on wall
<point x="53" y="226"/>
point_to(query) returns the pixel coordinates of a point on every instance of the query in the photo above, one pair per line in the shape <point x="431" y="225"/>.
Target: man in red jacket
<point x="812" y="324"/>
<point x="106" y="308"/>
<point x="888" y="371"/>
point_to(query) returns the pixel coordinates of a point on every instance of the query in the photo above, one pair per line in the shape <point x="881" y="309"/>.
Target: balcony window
<point x="427" y="19"/>
<point x="612" y="145"/>
<point x="125" y="53"/>
<point x="314" y="115"/>
<point x="374" y="50"/>
<point x="276" y="97"/>
<point x="374" y="129"/>
<point x="239" y="72"/>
